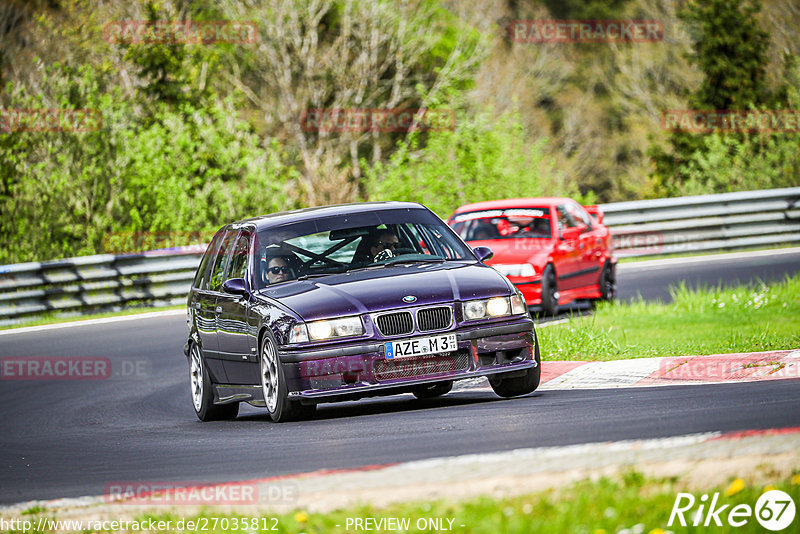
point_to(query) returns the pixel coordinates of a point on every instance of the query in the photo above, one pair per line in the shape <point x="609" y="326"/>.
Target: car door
<point x="589" y="245"/>
<point x="202" y="303"/>
<point x="236" y="324"/>
<point x="208" y="309"/>
<point x="567" y="254"/>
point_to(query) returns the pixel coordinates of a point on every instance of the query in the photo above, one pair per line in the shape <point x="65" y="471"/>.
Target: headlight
<point x="474" y="309"/>
<point x="497" y="307"/>
<point x="522" y="269"/>
<point x="494" y="307"/>
<point x="330" y="328"/>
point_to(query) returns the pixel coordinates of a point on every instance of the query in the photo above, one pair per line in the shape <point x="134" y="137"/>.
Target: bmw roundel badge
<point x="409" y="298"/>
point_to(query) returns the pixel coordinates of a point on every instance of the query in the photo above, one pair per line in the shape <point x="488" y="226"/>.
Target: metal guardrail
<point x="110" y="282"/>
<point x="726" y="221"/>
<point x="105" y="282"/>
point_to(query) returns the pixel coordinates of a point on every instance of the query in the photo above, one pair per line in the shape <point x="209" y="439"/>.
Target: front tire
<point x="274" y="386"/>
<point x="519" y="385"/>
<point x="203" y="391"/>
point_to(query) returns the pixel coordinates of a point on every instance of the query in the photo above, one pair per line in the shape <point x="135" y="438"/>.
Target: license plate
<point x="420" y="346"/>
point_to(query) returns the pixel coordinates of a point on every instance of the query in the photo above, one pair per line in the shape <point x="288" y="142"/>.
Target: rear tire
<point x="275" y="389"/>
<point x="608" y="283"/>
<point x="430" y="391"/>
<point x="519" y="385"/>
<point x="549" y="291"/>
<point x="203" y="391"/>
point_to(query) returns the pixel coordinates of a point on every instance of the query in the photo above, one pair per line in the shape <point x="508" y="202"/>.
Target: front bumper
<point x="362" y="369"/>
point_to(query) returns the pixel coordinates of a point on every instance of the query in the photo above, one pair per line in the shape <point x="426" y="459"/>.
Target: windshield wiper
<point x="315" y="275"/>
<point x="401" y="259"/>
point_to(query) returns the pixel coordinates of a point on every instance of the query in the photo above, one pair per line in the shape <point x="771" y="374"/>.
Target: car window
<point x="580" y="216"/>
<point x="565" y="220"/>
<point x="221" y="262"/>
<point x="331" y="245"/>
<point x="201" y="278"/>
<point x="508" y="223"/>
<point x="241" y="253"/>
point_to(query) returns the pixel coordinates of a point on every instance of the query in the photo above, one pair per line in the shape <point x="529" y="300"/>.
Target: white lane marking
<point x="670" y="262"/>
<point x="598" y="375"/>
<point x="553" y="323"/>
<point x="472" y="466"/>
<point x="540" y="459"/>
<point x="90" y="322"/>
<point x="540" y="454"/>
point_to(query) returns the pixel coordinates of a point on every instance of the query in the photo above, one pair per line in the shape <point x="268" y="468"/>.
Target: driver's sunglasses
<point x="388" y="245"/>
<point x="278" y="270"/>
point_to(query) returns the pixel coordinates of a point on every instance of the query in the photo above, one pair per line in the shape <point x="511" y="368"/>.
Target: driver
<point x="382" y="241"/>
<point x="279" y="266"/>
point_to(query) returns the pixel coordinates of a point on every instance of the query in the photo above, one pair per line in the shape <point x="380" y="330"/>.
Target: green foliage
<point x="626" y="502"/>
<point x="480" y="159"/>
<point x="731" y="50"/>
<point x="191" y="169"/>
<point x="731" y="163"/>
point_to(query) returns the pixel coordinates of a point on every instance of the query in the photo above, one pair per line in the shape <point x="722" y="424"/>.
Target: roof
<point x="287" y="217"/>
<point x="513" y="203"/>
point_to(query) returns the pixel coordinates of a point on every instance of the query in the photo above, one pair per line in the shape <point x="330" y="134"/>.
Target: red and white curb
<point x="672" y="370"/>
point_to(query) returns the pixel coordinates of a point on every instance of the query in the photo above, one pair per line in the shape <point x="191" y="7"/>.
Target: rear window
<point x="509" y="223"/>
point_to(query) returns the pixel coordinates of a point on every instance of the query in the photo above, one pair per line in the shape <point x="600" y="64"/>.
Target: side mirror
<point x="483" y="253"/>
<point x="235" y="286"/>
<point x="570" y="234"/>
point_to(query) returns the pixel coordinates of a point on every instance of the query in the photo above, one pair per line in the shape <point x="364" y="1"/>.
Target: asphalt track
<point x="72" y="438"/>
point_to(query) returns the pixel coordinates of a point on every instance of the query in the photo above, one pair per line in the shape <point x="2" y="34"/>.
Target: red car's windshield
<point x="509" y="223"/>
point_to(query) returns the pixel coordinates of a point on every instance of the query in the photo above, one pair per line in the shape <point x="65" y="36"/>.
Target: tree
<point x="731" y="51"/>
<point x="346" y="54"/>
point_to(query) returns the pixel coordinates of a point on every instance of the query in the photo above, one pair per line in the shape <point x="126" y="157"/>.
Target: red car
<point x="553" y="249"/>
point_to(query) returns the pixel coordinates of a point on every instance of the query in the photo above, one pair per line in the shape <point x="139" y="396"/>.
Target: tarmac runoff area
<point x="700" y="461"/>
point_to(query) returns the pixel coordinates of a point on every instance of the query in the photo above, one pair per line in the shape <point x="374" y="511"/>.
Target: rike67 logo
<point x="774" y="510"/>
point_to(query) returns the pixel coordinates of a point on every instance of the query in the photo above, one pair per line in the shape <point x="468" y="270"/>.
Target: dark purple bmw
<point x="341" y="302"/>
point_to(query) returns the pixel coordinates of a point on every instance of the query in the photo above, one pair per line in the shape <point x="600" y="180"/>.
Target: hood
<point x="513" y="251"/>
<point x="383" y="288"/>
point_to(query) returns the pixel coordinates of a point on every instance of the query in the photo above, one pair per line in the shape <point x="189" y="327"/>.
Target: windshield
<point x="360" y="241"/>
<point x="510" y="223"/>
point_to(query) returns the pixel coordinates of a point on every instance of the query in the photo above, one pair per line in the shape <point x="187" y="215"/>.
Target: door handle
<point x="218" y="309"/>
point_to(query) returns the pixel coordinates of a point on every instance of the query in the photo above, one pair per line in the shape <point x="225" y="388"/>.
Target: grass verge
<point x="721" y="253"/>
<point x="696" y="322"/>
<point x="630" y="503"/>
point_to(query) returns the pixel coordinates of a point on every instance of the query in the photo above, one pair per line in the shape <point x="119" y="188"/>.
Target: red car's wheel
<point x="549" y="291"/>
<point x="608" y="283"/>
